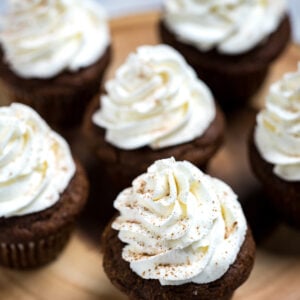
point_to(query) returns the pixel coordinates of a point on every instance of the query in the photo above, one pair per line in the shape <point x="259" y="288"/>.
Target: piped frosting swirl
<point x="155" y="100"/>
<point x="277" y="133"/>
<point x="42" y="38"/>
<point x="179" y="225"/>
<point x="35" y="163"/>
<point x="230" y="26"/>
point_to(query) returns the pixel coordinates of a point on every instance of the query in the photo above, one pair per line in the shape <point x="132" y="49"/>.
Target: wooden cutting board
<point x="78" y="273"/>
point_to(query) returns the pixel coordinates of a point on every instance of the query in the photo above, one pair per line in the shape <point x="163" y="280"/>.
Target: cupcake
<point x="275" y="147"/>
<point x="42" y="189"/>
<point x="180" y="234"/>
<point x="53" y="56"/>
<point x="230" y="44"/>
<point x="154" y="107"/>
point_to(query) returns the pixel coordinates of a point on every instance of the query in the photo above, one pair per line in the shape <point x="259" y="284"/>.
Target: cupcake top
<point x="277" y="133"/>
<point x="179" y="225"/>
<point x="35" y="163"/>
<point x="230" y="26"/>
<point x="42" y="38"/>
<point x="155" y="100"/>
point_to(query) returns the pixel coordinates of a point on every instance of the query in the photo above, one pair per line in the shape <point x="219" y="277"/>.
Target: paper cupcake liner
<point x="34" y="253"/>
<point x="226" y="297"/>
<point x="61" y="110"/>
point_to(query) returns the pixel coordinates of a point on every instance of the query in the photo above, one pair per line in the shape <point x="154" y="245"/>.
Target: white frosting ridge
<point x="155" y="100"/>
<point x="230" y="26"/>
<point x="179" y="225"/>
<point x="35" y="163"/>
<point x="42" y="38"/>
<point x="277" y="134"/>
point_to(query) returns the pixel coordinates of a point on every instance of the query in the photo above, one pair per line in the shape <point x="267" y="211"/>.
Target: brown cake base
<point x="261" y="216"/>
<point x="60" y="100"/>
<point x="232" y="78"/>
<point x="99" y="208"/>
<point x="33" y="240"/>
<point x="283" y="195"/>
<point x="135" y="287"/>
<point x="122" y="166"/>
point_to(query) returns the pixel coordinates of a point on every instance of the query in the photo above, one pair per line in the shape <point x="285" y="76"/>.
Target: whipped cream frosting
<point x="277" y="133"/>
<point x="41" y="38"/>
<point x="35" y="163"/>
<point x="230" y="26"/>
<point x="179" y="225"/>
<point x="154" y="100"/>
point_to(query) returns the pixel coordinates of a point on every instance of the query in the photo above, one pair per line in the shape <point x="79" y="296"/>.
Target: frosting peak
<point x="35" y="163"/>
<point x="230" y="26"/>
<point x="179" y="225"/>
<point x="42" y="38"/>
<point x="155" y="100"/>
<point x="277" y="134"/>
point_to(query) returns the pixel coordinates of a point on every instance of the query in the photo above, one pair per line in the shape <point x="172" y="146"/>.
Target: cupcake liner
<point x="60" y="109"/>
<point x="226" y="297"/>
<point x="33" y="254"/>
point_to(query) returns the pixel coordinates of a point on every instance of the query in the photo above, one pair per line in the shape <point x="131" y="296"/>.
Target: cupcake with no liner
<point x="155" y="107"/>
<point x="230" y="44"/>
<point x="275" y="147"/>
<point x="42" y="189"/>
<point x="54" y="54"/>
<point x="180" y="234"/>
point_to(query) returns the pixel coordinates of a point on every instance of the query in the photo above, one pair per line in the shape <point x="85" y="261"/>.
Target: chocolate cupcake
<point x="155" y="107"/>
<point x="42" y="189"/>
<point x="53" y="56"/>
<point x="230" y="44"/>
<point x="275" y="147"/>
<point x="180" y="234"/>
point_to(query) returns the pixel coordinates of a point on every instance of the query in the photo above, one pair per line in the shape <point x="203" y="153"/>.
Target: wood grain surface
<point x="78" y="273"/>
